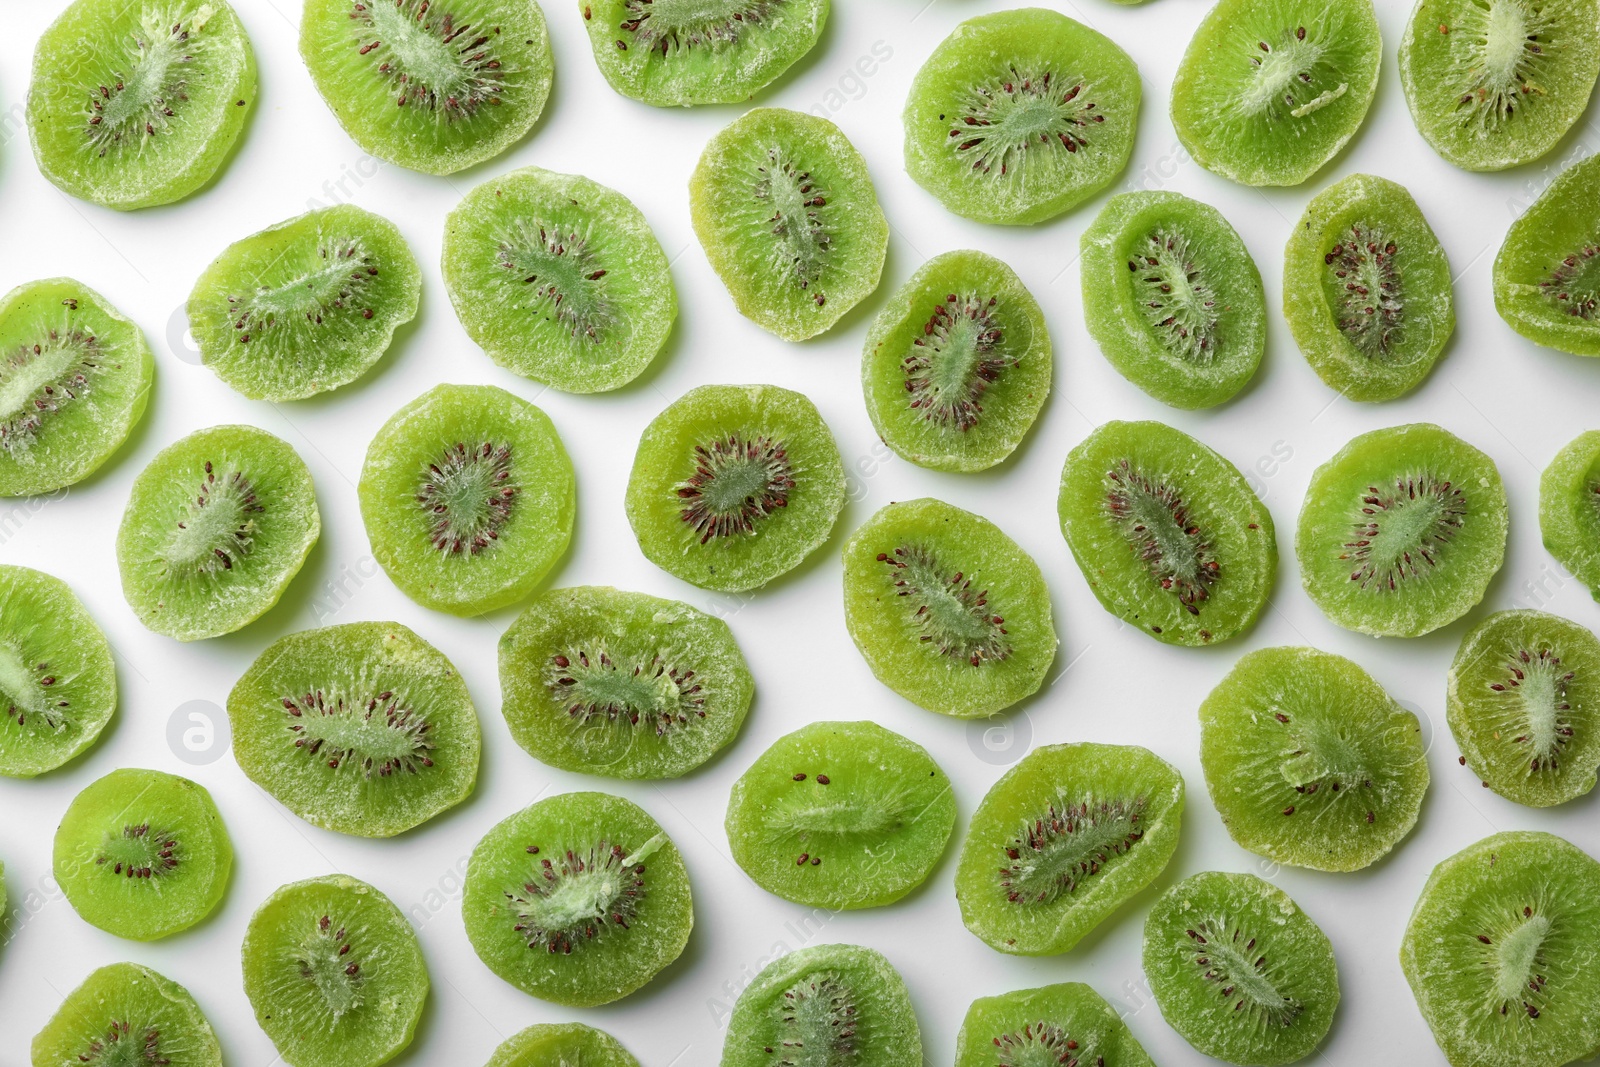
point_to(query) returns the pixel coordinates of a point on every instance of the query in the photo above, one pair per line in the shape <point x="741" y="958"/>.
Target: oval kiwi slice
<point x="1168" y="534"/>
<point x="957" y="364"/>
<point x="946" y="609"/>
<point x="1270" y="90"/>
<point x="1569" y="509"/>
<point x="1309" y="761"/>
<point x="125" y="1013"/>
<point x="75" y="376"/>
<point x="468" y="497"/>
<point x="434" y="87"/>
<point x="1064" y="839"/>
<point x="1061" y="1024"/>
<point x="305" y="306"/>
<point x="1524" y="705"/>
<point x="841" y="815"/>
<point x="1021" y="115"/>
<point x="1401" y="532"/>
<point x="1547" y="272"/>
<point x="560" y="1044"/>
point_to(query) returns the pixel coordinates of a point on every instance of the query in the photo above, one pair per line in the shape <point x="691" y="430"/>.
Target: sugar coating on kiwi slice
<point x="305" y="306"/>
<point x="787" y="215"/>
<point x="1066" y="1024"/>
<point x="1021" y="115"/>
<point x="1168" y="534"/>
<point x="1401" y="531"/>
<point x="468" y="497"/>
<point x="1569" y="509"/>
<point x="1503" y="952"/>
<point x="561" y="1044"/>
<point x="1062" y="841"/>
<point x="1239" y="970"/>
<point x="579" y="899"/>
<point x="947" y="610"/>
<point x="958" y="364"/>
<point x="127" y="1014"/>
<point x="1547" y="272"/>
<point x="841" y="815"/>
<point x="433" y="85"/>
<point x="1270" y="90"/>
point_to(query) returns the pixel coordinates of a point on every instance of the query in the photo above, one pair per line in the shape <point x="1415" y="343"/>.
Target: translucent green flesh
<point x="564" y="278"/>
<point x="1228" y="957"/>
<point x="21" y="685"/>
<point x="1062" y="848"/>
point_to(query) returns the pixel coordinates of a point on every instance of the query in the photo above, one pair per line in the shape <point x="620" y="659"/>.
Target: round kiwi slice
<point x="1021" y="115"/>
<point x="599" y="681"/>
<point x="957" y="364"/>
<point x="1547" y="273"/>
<point x="946" y="609"/>
<point x="1569" y="509"/>
<point x="841" y="815"/>
<point x="579" y="899"/>
<point x="1309" y="762"/>
<point x="334" y="973"/>
<point x="1270" y="90"/>
<point x="1497" y="83"/>
<point x="75" y="376"/>
<point x="1064" y="839"/>
<point x="305" y="306"/>
<point x="734" y="485"/>
<point x="1173" y="298"/>
<point x="434" y="87"/>
<point x="1524" y="705"/>
<point x="1503" y="952"/>
<point x="788" y="217"/>
<point x="1239" y="970"/>
<point x="1401" y="532"/>
<point x="468" y="497"/>
<point x="1066" y="1024"/>
<point x="127" y="1014"/>
<point x="560" y="1045"/>
<point x="1168" y="534"/>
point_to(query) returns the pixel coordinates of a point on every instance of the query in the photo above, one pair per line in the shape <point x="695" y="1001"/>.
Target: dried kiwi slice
<point x="561" y="1044"/>
<point x="1059" y="1024"/>
<point x="946" y="609"/>
<point x="1173" y="298"/>
<point x="957" y="364"/>
<point x="127" y="1014"/>
<point x="1021" y="115"/>
<point x="1064" y="839"/>
<point x="841" y="815"/>
<point x="1569" y="509"/>
<point x="1547" y="272"/>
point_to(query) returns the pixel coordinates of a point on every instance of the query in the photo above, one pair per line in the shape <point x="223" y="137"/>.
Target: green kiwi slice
<point x="957" y="364"/>
<point x="1547" y="272"/>
<point x="1168" y="534"/>
<point x="58" y="681"/>
<point x="1021" y="115"/>
<point x="1309" y="762"/>
<point x="682" y="52"/>
<point x="433" y="86"/>
<point x="127" y="1014"/>
<point x="734" y="485"/>
<point x="363" y="728"/>
<point x="599" y="681"/>
<point x="1064" y="839"/>
<point x="841" y="815"/>
<point x="946" y="609"/>
<point x="136" y="103"/>
<point x="305" y="306"/>
<point x="1497" y="83"/>
<point x="560" y="1045"/>
<point x="787" y="214"/>
<point x="1173" y="298"/>
<point x="468" y="497"/>
<point x="1503" y="952"/>
<point x="1401" y="532"/>
<point x="579" y="899"/>
<point x="1569" y="509"/>
<point x="75" y="376"/>
<point x="334" y="973"/>
<point x="1270" y="90"/>
<point x="1239" y="970"/>
<point x="1524" y="705"/>
<point x="1066" y="1024"/>
<point x="831" y="1004"/>
<point x="1367" y="289"/>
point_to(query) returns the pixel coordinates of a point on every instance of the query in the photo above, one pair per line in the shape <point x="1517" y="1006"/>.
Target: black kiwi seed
<point x="1063" y="847"/>
<point x="1377" y="565"/>
<point x="468" y="494"/>
<point x="473" y="80"/>
<point x="77" y="354"/>
<point x="1574" y="284"/>
<point x="1371" y="305"/>
<point x="819" y="1018"/>
<point x="1001" y="121"/>
<point x="560" y="269"/>
<point x="1542" y="674"/>
<point x="342" y="732"/>
<point x="595" y="689"/>
<point x="1180" y="306"/>
<point x="328" y="960"/>
<point x="137" y="851"/>
<point x="219" y="527"/>
<point x="1156" y="523"/>
<point x="619" y="890"/>
<point x="348" y="271"/>
<point x="119" y="116"/>
<point x="951" y="615"/>
<point x="714" y="32"/>
<point x="1229" y="959"/>
<point x="961" y="336"/>
<point x="797" y="201"/>
<point x="737" y="482"/>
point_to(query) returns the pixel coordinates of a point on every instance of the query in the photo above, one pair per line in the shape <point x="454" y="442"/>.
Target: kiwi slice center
<point x="798" y="221"/>
<point x="429" y="60"/>
<point x="812" y="813"/>
<point x="1180" y="307"/>
<point x="25" y="687"/>
<point x="325" y="959"/>
<point x="138" y="851"/>
<point x="142" y="97"/>
<point x="1507" y="49"/>
<point x="955" y="361"/>
<point x="671" y="26"/>
<point x="1000" y="121"/>
<point x="335" y="281"/>
<point x="1535" y="683"/>
<point x="1156" y="523"/>
<point x="1319" y="758"/>
<point x="736" y="484"/>
<point x="627" y="690"/>
<point x="218" y="526"/>
<point x="563" y="275"/>
<point x="580" y="897"/>
<point x="38" y="379"/>
<point x="1041" y="1044"/>
<point x="947" y="611"/>
<point x="1064" y="847"/>
<point x="819" y="1021"/>
<point x="1514" y="956"/>
<point x="121" y="1046"/>
<point x="1574" y="285"/>
<point x="1230" y="959"/>
<point x="468" y="495"/>
<point x="377" y="736"/>
<point x="1285" y="80"/>
<point x="1401" y="531"/>
<point x="1366" y="284"/>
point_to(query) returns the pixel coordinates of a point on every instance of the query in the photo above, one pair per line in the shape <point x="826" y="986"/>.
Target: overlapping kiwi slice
<point x="1270" y="90"/>
<point x="1401" y="532"/>
<point x="1168" y="534"/>
<point x="561" y="1044"/>
<point x="1021" y="115"/>
<point x="305" y="306"/>
<point x="789" y="219"/>
<point x="1067" y="1024"/>
<point x="1547" y="272"/>
<point x="1569" y="509"/>
<point x="1503" y="952"/>
<point x="1064" y="839"/>
<point x="1173" y="298"/>
<point x="433" y="85"/>
<point x="946" y="609"/>
<point x="127" y="1014"/>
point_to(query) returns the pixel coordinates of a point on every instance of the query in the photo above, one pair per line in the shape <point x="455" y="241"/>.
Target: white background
<point x="1517" y="402"/>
